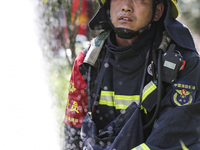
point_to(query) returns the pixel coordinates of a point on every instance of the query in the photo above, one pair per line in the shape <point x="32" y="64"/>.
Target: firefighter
<point x="136" y="87"/>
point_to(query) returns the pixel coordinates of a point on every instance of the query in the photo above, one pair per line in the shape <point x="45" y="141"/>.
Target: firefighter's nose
<point x="127" y="6"/>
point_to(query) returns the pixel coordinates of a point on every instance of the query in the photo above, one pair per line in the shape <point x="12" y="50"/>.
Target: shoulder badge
<point x="150" y="68"/>
<point x="183" y="93"/>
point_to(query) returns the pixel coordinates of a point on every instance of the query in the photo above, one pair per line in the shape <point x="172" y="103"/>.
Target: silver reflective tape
<point x="139" y="148"/>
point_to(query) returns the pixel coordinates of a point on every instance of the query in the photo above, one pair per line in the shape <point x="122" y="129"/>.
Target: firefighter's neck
<point x="125" y="42"/>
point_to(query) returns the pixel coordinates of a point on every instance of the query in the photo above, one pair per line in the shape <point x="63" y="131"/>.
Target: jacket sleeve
<point x="77" y="107"/>
<point x="178" y="124"/>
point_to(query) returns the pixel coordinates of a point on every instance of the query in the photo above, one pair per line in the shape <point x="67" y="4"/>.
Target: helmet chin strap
<point x="127" y="33"/>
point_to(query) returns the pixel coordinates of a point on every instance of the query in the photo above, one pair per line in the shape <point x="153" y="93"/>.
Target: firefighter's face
<point x="133" y="14"/>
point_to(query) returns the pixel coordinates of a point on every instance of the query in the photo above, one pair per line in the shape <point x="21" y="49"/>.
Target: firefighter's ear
<point x="159" y="12"/>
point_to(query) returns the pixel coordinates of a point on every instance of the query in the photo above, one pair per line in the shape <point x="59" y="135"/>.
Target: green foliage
<point x="59" y="74"/>
<point x="45" y="1"/>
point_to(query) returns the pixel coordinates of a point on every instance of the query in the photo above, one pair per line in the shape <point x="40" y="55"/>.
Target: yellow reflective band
<point x="183" y="145"/>
<point x="148" y="89"/>
<point x="112" y="104"/>
<point x="108" y="93"/>
<point x="142" y="108"/>
<point x="128" y="98"/>
<point x="118" y="101"/>
<point x="123" y="101"/>
<point x="108" y="103"/>
<point x="142" y="146"/>
<point x="120" y="97"/>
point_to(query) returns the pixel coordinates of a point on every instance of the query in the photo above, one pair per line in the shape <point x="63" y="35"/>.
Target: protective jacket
<point x="115" y="75"/>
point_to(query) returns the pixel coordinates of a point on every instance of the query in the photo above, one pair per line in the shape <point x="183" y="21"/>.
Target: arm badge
<point x="183" y="93"/>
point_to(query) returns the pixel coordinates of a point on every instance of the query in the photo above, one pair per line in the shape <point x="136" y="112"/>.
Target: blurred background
<point x="39" y="41"/>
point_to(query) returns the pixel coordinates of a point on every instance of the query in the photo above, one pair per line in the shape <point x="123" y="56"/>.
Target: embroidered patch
<point x="183" y="93"/>
<point x="71" y="86"/>
<point x="149" y="69"/>
<point x="74" y="107"/>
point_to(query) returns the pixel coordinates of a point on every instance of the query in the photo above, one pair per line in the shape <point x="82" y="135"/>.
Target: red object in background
<point x="83" y="19"/>
<point x="84" y="15"/>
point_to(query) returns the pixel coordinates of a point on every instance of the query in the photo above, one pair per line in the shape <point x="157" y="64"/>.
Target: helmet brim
<point x="174" y="9"/>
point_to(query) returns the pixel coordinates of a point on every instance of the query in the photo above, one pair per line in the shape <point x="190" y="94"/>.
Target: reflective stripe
<point x="109" y="98"/>
<point x="148" y="89"/>
<point x="142" y="146"/>
<point x="117" y="106"/>
<point x="183" y="145"/>
<point x="107" y="93"/>
<point x="118" y="101"/>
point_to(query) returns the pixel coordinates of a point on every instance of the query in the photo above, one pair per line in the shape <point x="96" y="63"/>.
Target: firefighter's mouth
<point x="125" y="18"/>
